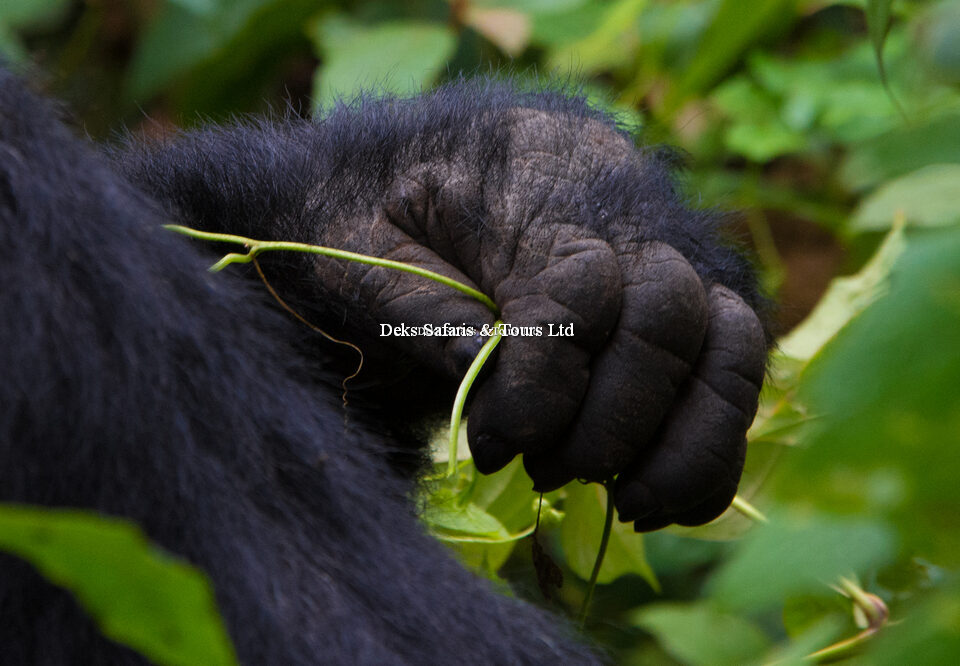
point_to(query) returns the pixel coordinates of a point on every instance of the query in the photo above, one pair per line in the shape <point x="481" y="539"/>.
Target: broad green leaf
<point x="929" y="632"/>
<point x="795" y="652"/>
<point x="564" y="28"/>
<point x="842" y="95"/>
<point x="401" y="57"/>
<point x="580" y="532"/>
<point x="701" y="635"/>
<point x="735" y="27"/>
<point x="671" y="555"/>
<point x="845" y="298"/>
<point x="763" y="141"/>
<point x="928" y="197"/>
<point x="459" y="510"/>
<point x="446" y="515"/>
<point x="886" y="392"/>
<point x="242" y="72"/>
<point x="803" y="613"/>
<point x="612" y="44"/>
<point x="507" y="495"/>
<point x="176" y="40"/>
<point x="757" y="132"/>
<point x="748" y="191"/>
<point x="138" y="595"/>
<point x="902" y="150"/>
<point x="18" y="14"/>
<point x="794" y="555"/>
<point x="179" y="40"/>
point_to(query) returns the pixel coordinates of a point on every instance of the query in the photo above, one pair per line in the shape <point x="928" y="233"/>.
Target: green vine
<point x="258" y="247"/>
<point x="601" y="553"/>
<point x="461" y="399"/>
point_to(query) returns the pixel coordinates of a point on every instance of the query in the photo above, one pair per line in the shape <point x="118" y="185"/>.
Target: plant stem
<point x="748" y="510"/>
<point x="257" y="247"/>
<point x="461" y="398"/>
<point x="604" y="540"/>
<point x="876" y="613"/>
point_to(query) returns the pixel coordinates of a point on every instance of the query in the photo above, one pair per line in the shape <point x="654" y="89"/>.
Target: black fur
<point x="139" y="385"/>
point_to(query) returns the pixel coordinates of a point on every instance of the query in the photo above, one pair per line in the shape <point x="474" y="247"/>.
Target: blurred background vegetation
<point x="833" y="126"/>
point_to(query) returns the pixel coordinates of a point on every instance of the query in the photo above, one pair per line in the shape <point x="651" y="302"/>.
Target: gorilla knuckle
<point x="736" y="339"/>
<point x="665" y="300"/>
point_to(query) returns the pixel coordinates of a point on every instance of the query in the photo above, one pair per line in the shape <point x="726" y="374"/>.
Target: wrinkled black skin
<point x="139" y="385"/>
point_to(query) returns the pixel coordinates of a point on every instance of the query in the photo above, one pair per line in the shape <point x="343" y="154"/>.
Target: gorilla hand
<point x="548" y="209"/>
<point x="561" y="221"/>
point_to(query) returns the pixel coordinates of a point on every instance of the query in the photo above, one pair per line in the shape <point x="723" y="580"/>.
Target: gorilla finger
<point x="711" y="507"/>
<point x="633" y="381"/>
<point x="704" y="512"/>
<point x="529" y="399"/>
<point x="547" y="471"/>
<point x="527" y="403"/>
<point x="422" y="317"/>
<point x="700" y="447"/>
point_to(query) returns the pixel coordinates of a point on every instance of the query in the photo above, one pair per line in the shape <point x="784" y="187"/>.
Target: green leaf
<point x="902" y="150"/>
<point x="845" y="298"/>
<point x="16" y="15"/>
<point x="138" y="595"/>
<point x="20" y="14"/>
<point x="701" y="635"/>
<point x="401" y="57"/>
<point x="928" y="634"/>
<point x="508" y="496"/>
<point x="927" y="197"/>
<point x="180" y="39"/>
<point x="459" y="511"/>
<point x="735" y="27"/>
<point x="794" y="653"/>
<point x="757" y="131"/>
<point x="840" y="94"/>
<point x="804" y="613"/>
<point x="446" y="515"/>
<point x="580" y="532"/>
<point x="886" y="392"/>
<point x="564" y="28"/>
<point x="612" y="44"/>
<point x="794" y="555"/>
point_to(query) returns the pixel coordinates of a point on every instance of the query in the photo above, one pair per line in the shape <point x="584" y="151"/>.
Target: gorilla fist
<point x="545" y="206"/>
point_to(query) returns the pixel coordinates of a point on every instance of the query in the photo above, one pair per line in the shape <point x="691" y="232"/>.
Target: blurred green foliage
<point x="137" y="594"/>
<point x="834" y="125"/>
